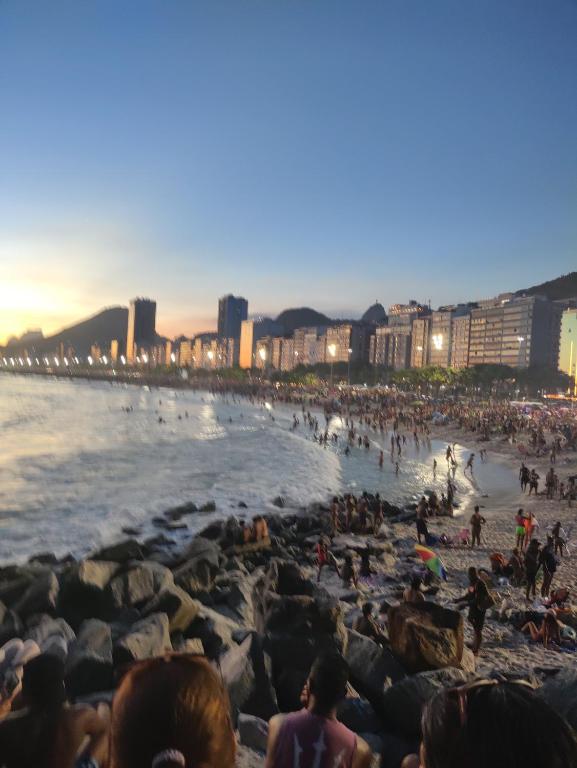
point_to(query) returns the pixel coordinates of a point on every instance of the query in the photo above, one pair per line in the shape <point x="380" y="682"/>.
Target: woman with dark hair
<point x="493" y="724"/>
<point x="171" y="712"/>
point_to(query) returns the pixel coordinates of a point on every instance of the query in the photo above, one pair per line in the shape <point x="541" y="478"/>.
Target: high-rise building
<point x="518" y="332"/>
<point x="141" y="327"/>
<point x="460" y="332"/>
<point x="232" y="311"/>
<point x="568" y="343"/>
<point x="420" y="342"/>
<point x="251" y="332"/>
<point x="345" y="342"/>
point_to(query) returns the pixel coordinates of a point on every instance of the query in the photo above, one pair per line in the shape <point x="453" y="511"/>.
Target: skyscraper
<point x="141" y="326"/>
<point x="232" y="310"/>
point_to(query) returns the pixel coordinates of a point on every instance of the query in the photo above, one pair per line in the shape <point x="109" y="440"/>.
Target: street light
<point x="350" y="351"/>
<point x="332" y="350"/>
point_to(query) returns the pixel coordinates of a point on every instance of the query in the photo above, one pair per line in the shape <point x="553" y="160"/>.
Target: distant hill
<point x="301" y="318"/>
<point x="564" y="287"/>
<point x="99" y="329"/>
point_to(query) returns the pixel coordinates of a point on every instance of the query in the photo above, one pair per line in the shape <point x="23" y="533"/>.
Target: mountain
<point x="99" y="329"/>
<point x="564" y="287"/>
<point x="302" y="317"/>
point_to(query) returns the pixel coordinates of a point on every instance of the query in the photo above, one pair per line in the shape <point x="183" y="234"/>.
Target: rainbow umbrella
<point x="432" y="561"/>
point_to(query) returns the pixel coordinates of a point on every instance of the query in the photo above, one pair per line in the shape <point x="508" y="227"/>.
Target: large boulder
<point x="235" y="598"/>
<point x="53" y="636"/>
<point x="402" y="704"/>
<point x="200" y="566"/>
<point x="89" y="667"/>
<point x="358" y="715"/>
<point x="373" y="668"/>
<point x="296" y="628"/>
<point x="214" y="630"/>
<point x="245" y="671"/>
<point x="252" y="732"/>
<point x="560" y="692"/>
<point x="180" y="608"/>
<point x="146" y="639"/>
<point x="82" y="591"/>
<point x="425" y="636"/>
<point x="40" y="597"/>
<point x="10" y="625"/>
<point x="123" y="552"/>
<point x="137" y="585"/>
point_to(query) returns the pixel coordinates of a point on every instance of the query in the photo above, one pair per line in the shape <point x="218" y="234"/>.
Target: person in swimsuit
<point x="313" y="737"/>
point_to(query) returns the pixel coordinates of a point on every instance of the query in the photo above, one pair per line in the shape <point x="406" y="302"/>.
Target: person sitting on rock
<point x="171" y="712"/>
<point x="412" y="593"/>
<point x="46" y="732"/>
<point x="313" y="737"/>
<point x="492" y="723"/>
<point x="366" y="625"/>
<point x="365" y="570"/>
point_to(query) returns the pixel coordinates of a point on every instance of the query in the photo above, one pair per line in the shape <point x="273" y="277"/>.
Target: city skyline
<point x="320" y="155"/>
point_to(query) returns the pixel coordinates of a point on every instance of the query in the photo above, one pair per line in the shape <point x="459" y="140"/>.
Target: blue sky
<point x="298" y="152"/>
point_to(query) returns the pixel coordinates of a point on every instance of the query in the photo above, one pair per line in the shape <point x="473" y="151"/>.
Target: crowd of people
<point x="173" y="711"/>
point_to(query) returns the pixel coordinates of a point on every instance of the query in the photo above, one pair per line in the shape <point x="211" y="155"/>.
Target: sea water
<point x="80" y="460"/>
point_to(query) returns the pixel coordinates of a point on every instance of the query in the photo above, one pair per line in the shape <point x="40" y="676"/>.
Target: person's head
<point x="476" y="509"/>
<point x="496" y="724"/>
<point x="416" y="582"/>
<point x="473" y="575"/>
<point x="367" y="609"/>
<point x="43" y="682"/>
<point x="172" y="703"/>
<point x="335" y="500"/>
<point x="327" y="681"/>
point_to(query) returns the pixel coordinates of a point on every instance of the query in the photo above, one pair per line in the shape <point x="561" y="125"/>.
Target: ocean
<point x="80" y="460"/>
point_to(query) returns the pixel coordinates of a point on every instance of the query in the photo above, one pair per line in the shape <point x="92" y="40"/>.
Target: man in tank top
<point x="313" y="737"/>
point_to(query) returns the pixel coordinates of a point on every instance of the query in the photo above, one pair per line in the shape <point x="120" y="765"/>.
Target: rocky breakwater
<point x="257" y="611"/>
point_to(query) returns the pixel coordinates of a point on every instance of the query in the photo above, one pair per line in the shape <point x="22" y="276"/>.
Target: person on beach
<point x="549" y="631"/>
<point x="335" y="515"/>
<point x="477" y="521"/>
<point x="533" y="482"/>
<point x="524" y="477"/>
<point x="378" y="517"/>
<point x="491" y="724"/>
<point x="171" y="711"/>
<point x="313" y="737"/>
<point x="322" y="556"/>
<point x="520" y="530"/>
<point x="559" y="538"/>
<point x="422" y="515"/>
<point x="477" y="598"/>
<point x="349" y="573"/>
<point x="412" y="593"/>
<point x="47" y="732"/>
<point x="366" y="625"/>
<point x="531" y="569"/>
<point x="548" y="562"/>
<point x="434" y="469"/>
<point x="381" y="459"/>
<point x="469" y="465"/>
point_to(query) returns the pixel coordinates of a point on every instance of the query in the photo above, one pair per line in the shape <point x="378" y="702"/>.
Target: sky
<point x="321" y="153"/>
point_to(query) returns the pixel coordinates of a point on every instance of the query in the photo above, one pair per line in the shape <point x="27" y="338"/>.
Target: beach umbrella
<point x="432" y="561"/>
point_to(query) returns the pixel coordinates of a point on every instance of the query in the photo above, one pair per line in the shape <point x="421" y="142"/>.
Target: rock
<point x="402" y="703"/>
<point x="176" y="513"/>
<point x="426" y="636"/>
<point x="146" y="639"/>
<point x="89" y="666"/>
<point x="13" y="589"/>
<point x="358" y="715"/>
<point x="245" y="672"/>
<point x="286" y="578"/>
<point x="180" y="608"/>
<point x="131" y="531"/>
<point x="242" y="505"/>
<point x="209" y="506"/>
<point x="82" y="591"/>
<point x="44" y="558"/>
<point x="279" y="502"/>
<point x="253" y="732"/>
<point x="11" y="625"/>
<point x="122" y="552"/>
<point x="213" y="531"/>
<point x="40" y="597"/>
<point x="53" y="636"/>
<point x="560" y="692"/>
<point x="202" y="561"/>
<point x="236" y="601"/>
<point x="214" y="630"/>
<point x="139" y="584"/>
<point x="296" y="628"/>
<point x="373" y="668"/>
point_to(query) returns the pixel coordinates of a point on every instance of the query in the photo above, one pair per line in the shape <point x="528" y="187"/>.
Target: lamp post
<point x="350" y="352"/>
<point x="332" y="350"/>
